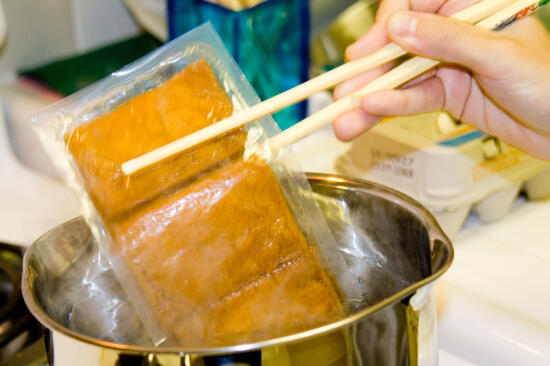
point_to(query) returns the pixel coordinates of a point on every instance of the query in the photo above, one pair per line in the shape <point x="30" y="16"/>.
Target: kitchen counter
<point x="493" y="301"/>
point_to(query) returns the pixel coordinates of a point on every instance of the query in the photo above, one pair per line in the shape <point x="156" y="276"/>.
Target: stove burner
<point x="253" y="358"/>
<point x="19" y="330"/>
<point x="10" y="291"/>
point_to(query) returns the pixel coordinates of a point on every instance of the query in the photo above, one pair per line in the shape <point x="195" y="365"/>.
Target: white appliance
<point x="31" y="202"/>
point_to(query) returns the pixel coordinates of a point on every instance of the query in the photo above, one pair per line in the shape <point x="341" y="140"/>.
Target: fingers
<point x="388" y="7"/>
<point x="351" y="124"/>
<point x="371" y="41"/>
<point x="448" y="40"/>
<point x="353" y="84"/>
<point x="453" y="6"/>
<point x="496" y="122"/>
<point x="377" y="36"/>
<point x="426" y="6"/>
<point x="428" y="75"/>
<point x="426" y="96"/>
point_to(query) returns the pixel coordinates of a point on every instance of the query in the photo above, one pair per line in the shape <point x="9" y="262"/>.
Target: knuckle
<point x="404" y="103"/>
<point x="433" y="34"/>
<point x="430" y="100"/>
<point x="447" y="33"/>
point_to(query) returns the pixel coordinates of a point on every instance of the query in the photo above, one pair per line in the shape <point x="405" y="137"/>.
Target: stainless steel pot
<point x="391" y="243"/>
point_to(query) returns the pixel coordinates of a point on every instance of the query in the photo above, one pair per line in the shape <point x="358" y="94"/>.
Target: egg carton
<point x="450" y="167"/>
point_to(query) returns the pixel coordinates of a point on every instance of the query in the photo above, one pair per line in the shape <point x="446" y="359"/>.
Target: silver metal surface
<point x="392" y="245"/>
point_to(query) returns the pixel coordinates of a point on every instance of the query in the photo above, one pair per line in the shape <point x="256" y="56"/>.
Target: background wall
<point x="41" y="31"/>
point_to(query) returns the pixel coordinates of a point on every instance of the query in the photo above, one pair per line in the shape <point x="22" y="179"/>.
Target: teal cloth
<point x="69" y="75"/>
<point x="270" y="42"/>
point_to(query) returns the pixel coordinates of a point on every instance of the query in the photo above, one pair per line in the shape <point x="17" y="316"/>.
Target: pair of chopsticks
<point x="489" y="14"/>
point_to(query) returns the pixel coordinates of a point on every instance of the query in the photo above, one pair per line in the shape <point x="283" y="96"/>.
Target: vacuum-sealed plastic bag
<point x="218" y="245"/>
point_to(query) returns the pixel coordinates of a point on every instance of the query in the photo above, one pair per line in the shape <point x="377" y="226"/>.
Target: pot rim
<point x="435" y="234"/>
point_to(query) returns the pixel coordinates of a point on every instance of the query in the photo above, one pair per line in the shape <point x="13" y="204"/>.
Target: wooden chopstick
<point x="386" y="54"/>
<point x="396" y="77"/>
<point x="271" y="105"/>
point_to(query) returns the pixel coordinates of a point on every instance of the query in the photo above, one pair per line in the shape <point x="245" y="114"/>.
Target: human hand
<point x="496" y="81"/>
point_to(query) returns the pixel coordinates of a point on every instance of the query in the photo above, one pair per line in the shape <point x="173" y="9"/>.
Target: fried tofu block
<point x="213" y="236"/>
<point x="190" y="101"/>
<point x="219" y="236"/>
<point x="296" y="296"/>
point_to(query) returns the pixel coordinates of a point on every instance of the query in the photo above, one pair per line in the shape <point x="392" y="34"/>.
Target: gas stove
<point x="21" y="336"/>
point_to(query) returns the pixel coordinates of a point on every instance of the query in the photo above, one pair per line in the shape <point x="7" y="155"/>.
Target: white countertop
<point x="493" y="302"/>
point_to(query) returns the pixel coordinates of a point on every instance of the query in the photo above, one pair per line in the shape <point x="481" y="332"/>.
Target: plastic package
<point x="448" y="166"/>
<point x="213" y="246"/>
<point x="87" y="296"/>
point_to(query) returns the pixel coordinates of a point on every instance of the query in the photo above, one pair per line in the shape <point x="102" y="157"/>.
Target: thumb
<point x="447" y="40"/>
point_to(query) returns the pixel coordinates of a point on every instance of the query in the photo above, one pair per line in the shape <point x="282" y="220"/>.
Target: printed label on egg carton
<point x="448" y="166"/>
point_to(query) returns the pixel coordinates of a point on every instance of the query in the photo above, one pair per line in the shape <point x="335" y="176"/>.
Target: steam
<point x="88" y="299"/>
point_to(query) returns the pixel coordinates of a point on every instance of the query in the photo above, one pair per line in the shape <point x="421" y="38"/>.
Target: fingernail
<point x="366" y="102"/>
<point x="350" y="52"/>
<point x="352" y="47"/>
<point x="363" y="45"/>
<point x="402" y="24"/>
<point x="355" y="50"/>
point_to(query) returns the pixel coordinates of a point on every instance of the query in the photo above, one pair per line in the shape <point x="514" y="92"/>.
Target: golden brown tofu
<point x="214" y="235"/>
<point x="296" y="296"/>
<point x="189" y="101"/>
<point x="224" y="258"/>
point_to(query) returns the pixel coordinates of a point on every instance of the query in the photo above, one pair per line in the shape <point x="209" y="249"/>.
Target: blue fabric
<point x="270" y="42"/>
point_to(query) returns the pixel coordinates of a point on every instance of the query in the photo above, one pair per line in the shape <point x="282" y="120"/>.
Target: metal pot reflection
<point x="392" y="244"/>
